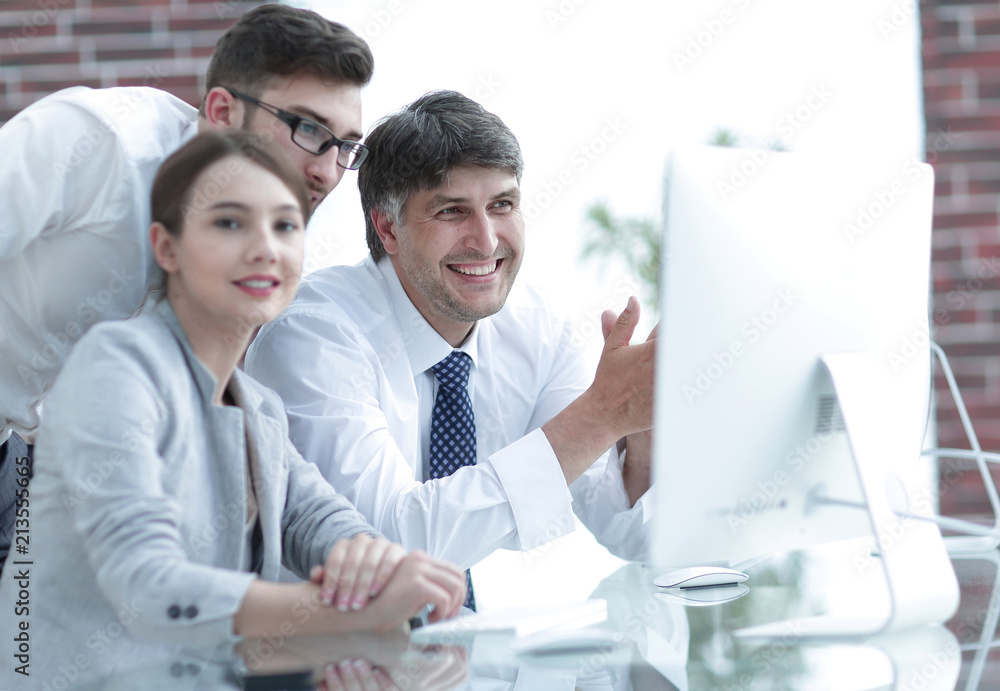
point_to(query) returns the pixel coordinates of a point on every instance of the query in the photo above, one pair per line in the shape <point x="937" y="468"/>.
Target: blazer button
<point x="174" y="611"/>
<point x="191" y="612"/>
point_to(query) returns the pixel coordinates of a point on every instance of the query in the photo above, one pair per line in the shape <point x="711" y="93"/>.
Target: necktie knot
<point x="453" y="372"/>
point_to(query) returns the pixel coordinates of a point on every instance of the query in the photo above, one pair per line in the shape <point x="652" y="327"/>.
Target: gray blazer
<point x="138" y="506"/>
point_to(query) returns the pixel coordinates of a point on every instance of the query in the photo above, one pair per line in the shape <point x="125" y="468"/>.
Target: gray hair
<point x="415" y="149"/>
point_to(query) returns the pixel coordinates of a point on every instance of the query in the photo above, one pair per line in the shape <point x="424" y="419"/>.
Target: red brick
<point x="946" y="254"/>
<point x="927" y="4"/>
<point x="984" y="186"/>
<point x="183" y="24"/>
<point x="28" y="30"/>
<point x="978" y="154"/>
<point x="32" y="6"/>
<point x="148" y="54"/>
<point x="983" y="119"/>
<point x="48" y="58"/>
<point x="959" y="220"/>
<point x="117" y="4"/>
<point x="944" y="316"/>
<point x="943" y="92"/>
<point x="53" y="86"/>
<point x="130" y="27"/>
<point x="987" y="60"/>
<point x="987" y="27"/>
<point x="973" y="350"/>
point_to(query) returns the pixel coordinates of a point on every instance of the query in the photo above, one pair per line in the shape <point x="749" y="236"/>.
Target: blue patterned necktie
<point x="453" y="426"/>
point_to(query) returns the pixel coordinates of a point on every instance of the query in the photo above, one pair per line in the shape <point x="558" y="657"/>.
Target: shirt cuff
<point x="603" y="505"/>
<point x="536" y="490"/>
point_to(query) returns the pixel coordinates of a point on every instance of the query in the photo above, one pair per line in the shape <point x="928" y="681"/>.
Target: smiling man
<point x="76" y="176"/>
<point x="446" y="401"/>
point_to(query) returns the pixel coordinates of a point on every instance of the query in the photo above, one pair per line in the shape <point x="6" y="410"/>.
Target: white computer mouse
<point x="700" y="577"/>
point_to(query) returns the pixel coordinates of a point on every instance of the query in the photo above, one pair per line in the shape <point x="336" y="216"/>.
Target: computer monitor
<point x="790" y="284"/>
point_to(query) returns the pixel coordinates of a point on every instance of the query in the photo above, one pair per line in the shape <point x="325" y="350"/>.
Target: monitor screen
<point x="770" y="261"/>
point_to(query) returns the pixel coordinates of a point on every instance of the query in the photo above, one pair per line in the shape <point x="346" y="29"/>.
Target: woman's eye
<point x="286" y="226"/>
<point x="227" y="223"/>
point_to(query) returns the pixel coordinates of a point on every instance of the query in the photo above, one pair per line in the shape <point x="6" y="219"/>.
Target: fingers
<point x="446" y="588"/>
<point x="652" y="334"/>
<point x="621" y="331"/>
<point x="380" y="559"/>
<point x="343" y="564"/>
<point x="334" y="562"/>
<point x="391" y="557"/>
<point x="356" y="675"/>
<point x="316" y="575"/>
<point x="608" y="319"/>
<point x="357" y="570"/>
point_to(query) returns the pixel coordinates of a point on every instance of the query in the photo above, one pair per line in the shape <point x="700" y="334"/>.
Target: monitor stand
<point x="921" y="581"/>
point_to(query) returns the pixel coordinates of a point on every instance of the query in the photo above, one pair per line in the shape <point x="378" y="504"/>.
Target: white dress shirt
<point x="76" y="172"/>
<point x="351" y="360"/>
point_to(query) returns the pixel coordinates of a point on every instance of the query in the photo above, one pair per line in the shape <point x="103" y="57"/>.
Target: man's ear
<point x="223" y="111"/>
<point x="386" y="230"/>
<point x="164" y="247"/>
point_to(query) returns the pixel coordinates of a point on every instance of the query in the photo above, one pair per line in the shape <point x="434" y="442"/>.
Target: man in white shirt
<point x="352" y="359"/>
<point x="76" y="175"/>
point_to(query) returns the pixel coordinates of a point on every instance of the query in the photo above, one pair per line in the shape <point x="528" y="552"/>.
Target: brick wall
<point x="961" y="61"/>
<point x="47" y="45"/>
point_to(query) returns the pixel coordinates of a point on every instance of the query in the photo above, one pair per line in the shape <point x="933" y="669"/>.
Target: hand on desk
<point x="356" y="570"/>
<point x="392" y="585"/>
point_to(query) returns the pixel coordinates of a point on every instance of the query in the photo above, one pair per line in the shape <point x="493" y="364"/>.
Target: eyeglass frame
<point x="293" y="121"/>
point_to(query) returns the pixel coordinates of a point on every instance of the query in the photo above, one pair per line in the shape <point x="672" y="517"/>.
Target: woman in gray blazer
<point x="166" y="494"/>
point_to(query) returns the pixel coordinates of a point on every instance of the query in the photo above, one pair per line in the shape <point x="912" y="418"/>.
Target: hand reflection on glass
<point x="355" y="675"/>
<point x="359" y="662"/>
<point x="434" y="669"/>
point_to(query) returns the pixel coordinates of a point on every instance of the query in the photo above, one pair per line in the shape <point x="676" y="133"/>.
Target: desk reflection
<point x="659" y="644"/>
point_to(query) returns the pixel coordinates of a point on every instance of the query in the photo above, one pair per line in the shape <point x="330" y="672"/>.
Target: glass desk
<point x="661" y="642"/>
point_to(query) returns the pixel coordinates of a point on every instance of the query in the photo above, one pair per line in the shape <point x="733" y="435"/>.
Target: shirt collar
<point x="425" y="347"/>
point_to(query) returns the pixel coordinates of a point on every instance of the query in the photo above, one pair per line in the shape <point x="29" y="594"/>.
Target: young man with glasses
<point x="76" y="176"/>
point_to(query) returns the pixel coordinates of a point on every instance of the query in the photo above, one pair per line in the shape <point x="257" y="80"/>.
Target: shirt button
<point x="191" y="612"/>
<point x="174" y="611"/>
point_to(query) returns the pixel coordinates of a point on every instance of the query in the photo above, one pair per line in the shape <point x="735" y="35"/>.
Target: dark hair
<point x="173" y="188"/>
<point x="279" y="41"/>
<point x="415" y="148"/>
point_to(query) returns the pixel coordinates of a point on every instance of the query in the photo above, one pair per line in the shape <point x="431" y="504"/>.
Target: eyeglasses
<point x="312" y="136"/>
